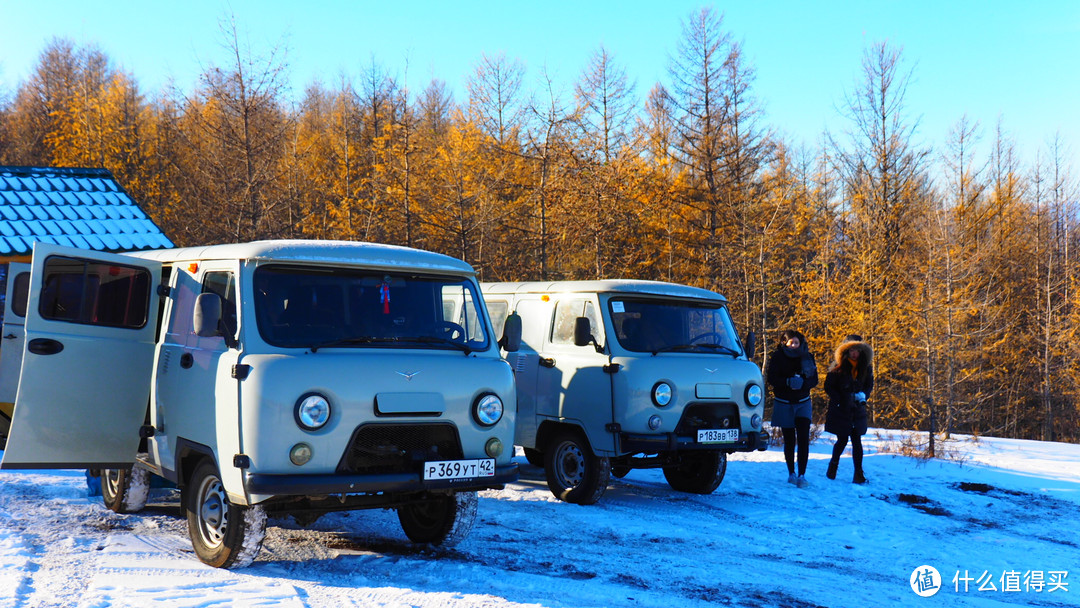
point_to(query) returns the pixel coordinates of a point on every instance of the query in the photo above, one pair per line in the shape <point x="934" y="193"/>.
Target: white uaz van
<point x="620" y="374"/>
<point x="290" y="377"/>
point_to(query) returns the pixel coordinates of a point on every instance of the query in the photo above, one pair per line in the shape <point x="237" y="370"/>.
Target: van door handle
<point x="44" y="346"/>
<point x="10" y="337"/>
<point x="186" y="360"/>
<point x="547" y="361"/>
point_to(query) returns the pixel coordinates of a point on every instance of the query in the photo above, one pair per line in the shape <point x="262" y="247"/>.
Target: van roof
<point x="332" y="253"/>
<point x="627" y="286"/>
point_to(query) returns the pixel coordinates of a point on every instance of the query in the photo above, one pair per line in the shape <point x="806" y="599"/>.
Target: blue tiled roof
<point x="75" y="207"/>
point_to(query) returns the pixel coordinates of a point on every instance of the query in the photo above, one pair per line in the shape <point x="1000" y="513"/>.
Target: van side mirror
<point x="207" y="317"/>
<point x="511" y="338"/>
<point x="583" y="333"/>
<point x="750" y="344"/>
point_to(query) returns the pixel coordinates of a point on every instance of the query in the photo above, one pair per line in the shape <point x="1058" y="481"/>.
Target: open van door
<point x="11" y="344"/>
<point x="87" y="360"/>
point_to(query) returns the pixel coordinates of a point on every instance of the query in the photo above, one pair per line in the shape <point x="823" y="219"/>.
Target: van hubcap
<point x="570" y="463"/>
<point x="213" y="512"/>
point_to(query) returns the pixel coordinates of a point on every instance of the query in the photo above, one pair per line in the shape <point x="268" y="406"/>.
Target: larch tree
<point x="603" y="124"/>
<point x="701" y="112"/>
<point x="242" y="133"/>
<point x="885" y="191"/>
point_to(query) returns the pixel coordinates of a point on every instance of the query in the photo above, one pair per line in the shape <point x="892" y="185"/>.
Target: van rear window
<point x="93" y="293"/>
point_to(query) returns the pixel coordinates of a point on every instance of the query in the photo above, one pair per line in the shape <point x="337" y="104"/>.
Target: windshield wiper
<point x="719" y="347"/>
<point x="391" y="339"/>
<point x="353" y="340"/>
<point x="433" y="340"/>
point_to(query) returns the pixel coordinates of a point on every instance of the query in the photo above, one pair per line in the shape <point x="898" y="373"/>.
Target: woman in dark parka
<point x="791" y="372"/>
<point x="848" y="385"/>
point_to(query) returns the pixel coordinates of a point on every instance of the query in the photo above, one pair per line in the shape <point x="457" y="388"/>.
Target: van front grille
<point x="398" y="448"/>
<point x="707" y="416"/>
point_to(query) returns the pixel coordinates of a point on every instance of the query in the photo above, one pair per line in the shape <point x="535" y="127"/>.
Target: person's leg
<point x="838" y="449"/>
<point x="802" y="440"/>
<point x="856" y="458"/>
<point x="789" y="449"/>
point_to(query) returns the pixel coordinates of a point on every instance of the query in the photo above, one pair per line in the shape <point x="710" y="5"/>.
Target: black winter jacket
<point x="845" y="416"/>
<point x="782" y="366"/>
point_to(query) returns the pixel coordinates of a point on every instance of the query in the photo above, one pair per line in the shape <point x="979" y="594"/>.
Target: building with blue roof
<point x="82" y="208"/>
<point x="76" y="207"/>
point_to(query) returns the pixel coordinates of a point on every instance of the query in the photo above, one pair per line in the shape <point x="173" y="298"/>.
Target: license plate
<point x="459" y="469"/>
<point x="718" y="436"/>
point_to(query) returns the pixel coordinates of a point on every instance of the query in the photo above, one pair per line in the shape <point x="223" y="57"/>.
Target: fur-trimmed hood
<point x="866" y="354"/>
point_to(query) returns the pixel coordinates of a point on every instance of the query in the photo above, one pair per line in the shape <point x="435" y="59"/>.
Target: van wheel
<point x="224" y="535"/>
<point x="442" y="519"/>
<point x="697" y="472"/>
<point x="574" y="473"/>
<point x="125" y="490"/>
<point x="534" y="457"/>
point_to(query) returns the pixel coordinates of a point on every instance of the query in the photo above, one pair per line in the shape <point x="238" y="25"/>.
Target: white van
<point x="283" y="377"/>
<point x="18" y="284"/>
<point x="621" y="374"/>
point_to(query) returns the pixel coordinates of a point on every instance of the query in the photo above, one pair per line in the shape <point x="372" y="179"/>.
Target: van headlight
<point x="488" y="409"/>
<point x="661" y="394"/>
<point x="753" y="395"/>
<point x="312" y="411"/>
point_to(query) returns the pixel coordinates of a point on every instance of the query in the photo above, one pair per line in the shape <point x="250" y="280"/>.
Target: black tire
<point x="224" y="535"/>
<point x="534" y="457"/>
<point x="125" y="490"/>
<point x="574" y="473"/>
<point x="697" y="472"/>
<point x="443" y="519"/>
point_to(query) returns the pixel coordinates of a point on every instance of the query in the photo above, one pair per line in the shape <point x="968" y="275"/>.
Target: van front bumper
<point x="308" y="485"/>
<point x="635" y="443"/>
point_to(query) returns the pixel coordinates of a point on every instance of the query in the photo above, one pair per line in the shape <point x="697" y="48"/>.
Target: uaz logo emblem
<point x="408" y="375"/>
<point x="711" y="370"/>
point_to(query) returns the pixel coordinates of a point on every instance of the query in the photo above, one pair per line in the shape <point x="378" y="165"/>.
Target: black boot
<point x="859" y="478"/>
<point x="831" y="471"/>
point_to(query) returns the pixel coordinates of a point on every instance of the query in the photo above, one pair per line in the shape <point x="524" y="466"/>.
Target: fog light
<point x="494" y="447"/>
<point x="300" y="454"/>
<point x="654" y="422"/>
<point x="755" y="421"/>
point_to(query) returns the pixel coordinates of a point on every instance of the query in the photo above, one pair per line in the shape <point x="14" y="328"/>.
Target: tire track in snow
<point x="56" y="531"/>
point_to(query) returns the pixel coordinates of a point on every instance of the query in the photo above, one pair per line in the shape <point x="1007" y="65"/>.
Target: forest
<point x="955" y="265"/>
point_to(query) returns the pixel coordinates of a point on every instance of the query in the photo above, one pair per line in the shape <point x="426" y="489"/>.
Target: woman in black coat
<point x="848" y="384"/>
<point x="791" y="372"/>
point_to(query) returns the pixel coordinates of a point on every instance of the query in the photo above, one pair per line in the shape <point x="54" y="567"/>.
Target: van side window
<point x="21" y="294"/>
<point x="223" y="283"/>
<point x="93" y="293"/>
<point x="497" y="310"/>
<point x="566" y="311"/>
<point x="166" y="274"/>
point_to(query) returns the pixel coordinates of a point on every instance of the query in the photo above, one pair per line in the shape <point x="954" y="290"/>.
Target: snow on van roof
<point x="627" y="286"/>
<point x="351" y="253"/>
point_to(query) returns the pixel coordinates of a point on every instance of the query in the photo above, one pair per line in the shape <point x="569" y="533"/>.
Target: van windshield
<point x="297" y="306"/>
<point x="655" y="326"/>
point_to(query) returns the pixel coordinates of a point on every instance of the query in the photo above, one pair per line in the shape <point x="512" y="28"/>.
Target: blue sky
<point x="988" y="59"/>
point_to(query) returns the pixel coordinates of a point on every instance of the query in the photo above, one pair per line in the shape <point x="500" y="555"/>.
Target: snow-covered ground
<point x="1002" y="513"/>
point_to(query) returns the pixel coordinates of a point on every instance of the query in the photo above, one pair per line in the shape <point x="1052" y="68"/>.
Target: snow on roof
<point x="624" y="286"/>
<point x="350" y="253"/>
